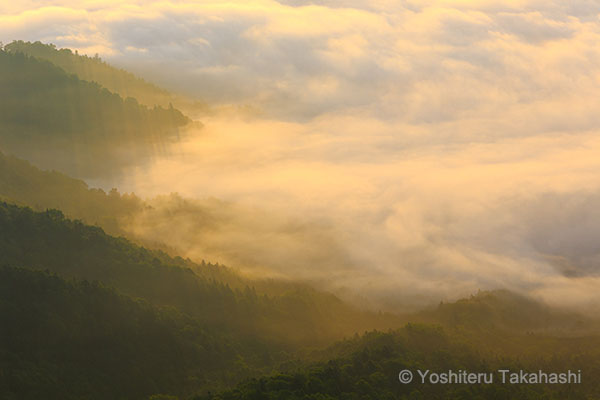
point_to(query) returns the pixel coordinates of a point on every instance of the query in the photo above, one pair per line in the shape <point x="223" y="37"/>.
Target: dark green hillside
<point x="79" y="340"/>
<point x="59" y="121"/>
<point x="55" y="330"/>
<point x="26" y="185"/>
<point x="300" y="316"/>
<point x="367" y="368"/>
<point x="93" y="69"/>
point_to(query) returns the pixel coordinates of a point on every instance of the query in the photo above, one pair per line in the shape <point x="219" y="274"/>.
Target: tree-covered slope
<point x="368" y="368"/>
<point x="299" y="316"/>
<point x="59" y="121"/>
<point x="93" y="69"/>
<point x="26" y="185"/>
<point x="80" y="340"/>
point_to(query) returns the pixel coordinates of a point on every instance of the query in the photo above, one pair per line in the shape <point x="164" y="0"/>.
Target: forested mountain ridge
<point x="62" y="122"/>
<point x="23" y="184"/>
<point x="505" y="312"/>
<point x="368" y="367"/>
<point x="500" y="311"/>
<point x="252" y="333"/>
<point x="94" y="69"/>
<point x="299" y="316"/>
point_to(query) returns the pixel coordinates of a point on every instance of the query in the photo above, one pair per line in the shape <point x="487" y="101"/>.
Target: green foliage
<point x="62" y="122"/>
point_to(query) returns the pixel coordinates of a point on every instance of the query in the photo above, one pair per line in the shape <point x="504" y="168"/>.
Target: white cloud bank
<point x="405" y="150"/>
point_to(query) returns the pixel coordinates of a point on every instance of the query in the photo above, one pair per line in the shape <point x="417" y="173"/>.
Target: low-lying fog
<point x="394" y="152"/>
<point x="385" y="211"/>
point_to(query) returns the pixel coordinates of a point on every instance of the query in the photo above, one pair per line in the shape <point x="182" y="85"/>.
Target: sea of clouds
<point x="396" y="152"/>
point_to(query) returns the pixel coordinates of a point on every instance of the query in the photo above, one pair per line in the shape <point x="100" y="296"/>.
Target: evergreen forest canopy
<point x="90" y="310"/>
<point x="60" y="121"/>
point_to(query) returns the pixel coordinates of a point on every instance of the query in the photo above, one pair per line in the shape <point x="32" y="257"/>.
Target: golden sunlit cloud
<point x="405" y="150"/>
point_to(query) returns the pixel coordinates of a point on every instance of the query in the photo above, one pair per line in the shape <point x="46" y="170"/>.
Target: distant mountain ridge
<point x="117" y="80"/>
<point x="60" y="121"/>
<point x="94" y="69"/>
<point x="504" y="311"/>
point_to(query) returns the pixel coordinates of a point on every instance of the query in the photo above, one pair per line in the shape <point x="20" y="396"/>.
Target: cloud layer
<point x="413" y="61"/>
<point x="399" y="150"/>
